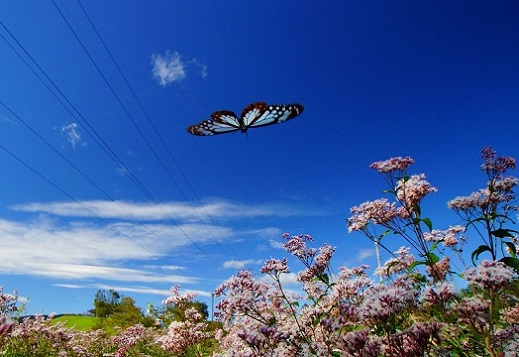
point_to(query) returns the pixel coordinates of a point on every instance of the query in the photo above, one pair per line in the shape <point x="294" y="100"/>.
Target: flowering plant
<point x="412" y="311"/>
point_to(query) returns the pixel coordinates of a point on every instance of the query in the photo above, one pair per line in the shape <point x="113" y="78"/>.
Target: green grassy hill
<point x="78" y="322"/>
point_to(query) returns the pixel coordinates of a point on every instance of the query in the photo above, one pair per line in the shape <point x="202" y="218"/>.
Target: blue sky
<point x="92" y="199"/>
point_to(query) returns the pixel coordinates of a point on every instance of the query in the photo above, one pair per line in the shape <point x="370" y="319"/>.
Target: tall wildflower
<point x="402" y="217"/>
<point x="489" y="209"/>
<point x="186" y="336"/>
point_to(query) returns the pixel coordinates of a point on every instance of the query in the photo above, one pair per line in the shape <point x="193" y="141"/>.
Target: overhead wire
<point x="156" y="132"/>
<point x="92" y="132"/>
<point x="134" y="122"/>
<point x="43" y="177"/>
<point x="82" y="173"/>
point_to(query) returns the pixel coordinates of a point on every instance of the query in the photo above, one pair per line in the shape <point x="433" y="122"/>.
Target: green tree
<point x="169" y="313"/>
<point x="126" y="314"/>
<point x="105" y="302"/>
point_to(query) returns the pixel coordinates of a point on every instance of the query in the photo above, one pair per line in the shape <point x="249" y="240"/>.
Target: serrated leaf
<point x="478" y="251"/>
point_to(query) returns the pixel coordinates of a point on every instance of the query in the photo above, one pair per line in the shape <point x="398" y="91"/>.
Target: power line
<point x="78" y="202"/>
<point x="155" y="130"/>
<point x="95" y="136"/>
<point x="77" y="169"/>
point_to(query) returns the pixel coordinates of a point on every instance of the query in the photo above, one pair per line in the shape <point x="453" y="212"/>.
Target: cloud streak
<point x="240" y="264"/>
<point x="132" y="244"/>
<point x="166" y="210"/>
<point x="88" y="252"/>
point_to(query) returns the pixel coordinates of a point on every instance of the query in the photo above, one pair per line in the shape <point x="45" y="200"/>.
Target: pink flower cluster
<point x="375" y="212"/>
<point x="183" y="335"/>
<point x="449" y="238"/>
<point x="8" y="303"/>
<point x="414" y="310"/>
<point x="128" y="339"/>
<point x="395" y="164"/>
<point x="411" y="191"/>
<point x="490" y="275"/>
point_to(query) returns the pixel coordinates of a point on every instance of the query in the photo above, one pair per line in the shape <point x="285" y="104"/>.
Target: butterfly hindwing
<point x="226" y="117"/>
<point x="223" y="121"/>
<point x="252" y="112"/>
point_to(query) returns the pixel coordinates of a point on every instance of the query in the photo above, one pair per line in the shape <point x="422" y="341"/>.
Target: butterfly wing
<point x="221" y="122"/>
<point x="261" y="114"/>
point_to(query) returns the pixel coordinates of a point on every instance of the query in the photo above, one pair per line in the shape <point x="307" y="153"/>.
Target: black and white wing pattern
<point x="254" y="115"/>
<point x="223" y="121"/>
<point x="261" y="114"/>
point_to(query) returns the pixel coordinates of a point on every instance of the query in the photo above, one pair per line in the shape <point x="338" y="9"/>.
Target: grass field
<point x="80" y="323"/>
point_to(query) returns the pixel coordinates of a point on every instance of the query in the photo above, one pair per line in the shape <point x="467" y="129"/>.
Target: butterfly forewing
<point x="274" y="114"/>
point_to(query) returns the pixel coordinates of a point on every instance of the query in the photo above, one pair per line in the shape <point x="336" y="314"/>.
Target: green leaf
<point x="389" y="266"/>
<point x="511" y="247"/>
<point x="434" y="245"/>
<point x="501" y="233"/>
<point x="383" y="234"/>
<point x="428" y="223"/>
<point x="415" y="264"/>
<point x="295" y="303"/>
<point x="511" y="262"/>
<point x="336" y="353"/>
<point x="432" y="259"/>
<point x="417" y="209"/>
<point x="325" y="278"/>
<point x="389" y="191"/>
<point x="478" y="251"/>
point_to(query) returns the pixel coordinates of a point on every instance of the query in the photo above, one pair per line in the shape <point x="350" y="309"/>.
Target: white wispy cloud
<point x="86" y="252"/>
<point x="70" y="286"/>
<point x="240" y="264"/>
<point x="72" y="136"/>
<point x="202" y="68"/>
<point x="139" y="289"/>
<point x="276" y="244"/>
<point x="286" y="279"/>
<point x="365" y="254"/>
<point x="168" y="68"/>
<point x="166" y="210"/>
<point x="130" y="242"/>
<point x="133" y="289"/>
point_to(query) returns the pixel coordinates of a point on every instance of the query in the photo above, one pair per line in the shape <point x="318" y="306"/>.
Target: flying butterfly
<point x="254" y="115"/>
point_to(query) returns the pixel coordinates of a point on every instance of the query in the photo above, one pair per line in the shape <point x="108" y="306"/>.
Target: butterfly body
<point x="254" y="115"/>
